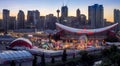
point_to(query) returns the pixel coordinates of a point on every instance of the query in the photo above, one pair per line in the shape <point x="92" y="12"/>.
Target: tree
<point x="64" y="56"/>
<point x="43" y="60"/>
<point x="107" y="52"/>
<point x="112" y="57"/>
<point x="105" y="62"/>
<point x="35" y="60"/>
<point x="53" y="60"/>
<point x="87" y="58"/>
<point x="114" y="48"/>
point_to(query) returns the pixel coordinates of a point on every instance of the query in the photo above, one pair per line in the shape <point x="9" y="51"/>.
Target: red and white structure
<point x="21" y="43"/>
<point x="84" y="31"/>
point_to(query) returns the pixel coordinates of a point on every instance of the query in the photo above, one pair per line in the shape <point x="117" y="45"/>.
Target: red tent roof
<point x="21" y="42"/>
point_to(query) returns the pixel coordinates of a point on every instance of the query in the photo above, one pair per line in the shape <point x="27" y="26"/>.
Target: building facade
<point x="83" y="20"/>
<point x="78" y="16"/>
<point x="6" y="17"/>
<point x="41" y="24"/>
<point x="30" y="19"/>
<point x="64" y="11"/>
<point x="36" y="16"/>
<point x="50" y="21"/>
<point x="12" y="23"/>
<point x="21" y="20"/>
<point x="33" y="18"/>
<point x="1" y="24"/>
<point x="117" y="18"/>
<point x="96" y="15"/>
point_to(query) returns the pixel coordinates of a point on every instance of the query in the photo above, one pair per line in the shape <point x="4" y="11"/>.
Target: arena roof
<point x="85" y="31"/>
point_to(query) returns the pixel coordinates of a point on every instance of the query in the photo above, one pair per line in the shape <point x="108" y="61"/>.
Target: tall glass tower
<point x="64" y="11"/>
<point x="117" y="18"/>
<point x="6" y="17"/>
<point x="21" y="20"/>
<point x="96" y="15"/>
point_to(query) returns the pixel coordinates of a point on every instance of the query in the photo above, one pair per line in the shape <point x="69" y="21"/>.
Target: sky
<point x="50" y="6"/>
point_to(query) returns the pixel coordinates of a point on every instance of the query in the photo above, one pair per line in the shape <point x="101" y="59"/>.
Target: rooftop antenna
<point x="67" y="2"/>
<point x="63" y="2"/>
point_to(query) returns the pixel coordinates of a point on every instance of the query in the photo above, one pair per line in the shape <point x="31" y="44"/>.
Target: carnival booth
<point x="16" y="58"/>
<point x="21" y="43"/>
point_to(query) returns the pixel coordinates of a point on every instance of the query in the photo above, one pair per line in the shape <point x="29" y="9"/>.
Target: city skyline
<point x="50" y="6"/>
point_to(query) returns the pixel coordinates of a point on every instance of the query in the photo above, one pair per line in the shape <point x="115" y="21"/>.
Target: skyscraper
<point x="78" y="13"/>
<point x="64" y="11"/>
<point x="64" y="15"/>
<point x="6" y="16"/>
<point x="96" y="15"/>
<point x="78" y="16"/>
<point x="50" y="21"/>
<point x="83" y="19"/>
<point x="36" y="18"/>
<point x="41" y="23"/>
<point x="33" y="18"/>
<point x="30" y="19"/>
<point x="21" y="20"/>
<point x="117" y="18"/>
<point x="12" y="23"/>
<point x="1" y="24"/>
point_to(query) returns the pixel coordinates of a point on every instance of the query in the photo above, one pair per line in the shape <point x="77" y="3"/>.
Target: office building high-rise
<point x="1" y="24"/>
<point x="96" y="15"/>
<point x="30" y="19"/>
<point x="78" y="16"/>
<point x="41" y="23"/>
<point x="83" y="19"/>
<point x="36" y="18"/>
<point x="78" y="13"/>
<point x="64" y="11"/>
<point x="64" y="15"/>
<point x="6" y="16"/>
<point x="12" y="23"/>
<point x="50" y="21"/>
<point x="21" y="20"/>
<point x="33" y="18"/>
<point x="117" y="18"/>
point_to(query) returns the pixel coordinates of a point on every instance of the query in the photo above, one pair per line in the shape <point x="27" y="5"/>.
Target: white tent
<point x="18" y="56"/>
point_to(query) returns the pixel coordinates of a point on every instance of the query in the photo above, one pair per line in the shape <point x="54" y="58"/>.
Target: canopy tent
<point x="7" y="56"/>
<point x="85" y="31"/>
<point x="21" y="42"/>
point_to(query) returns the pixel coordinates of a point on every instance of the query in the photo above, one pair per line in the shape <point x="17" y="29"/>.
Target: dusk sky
<point x="50" y="6"/>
